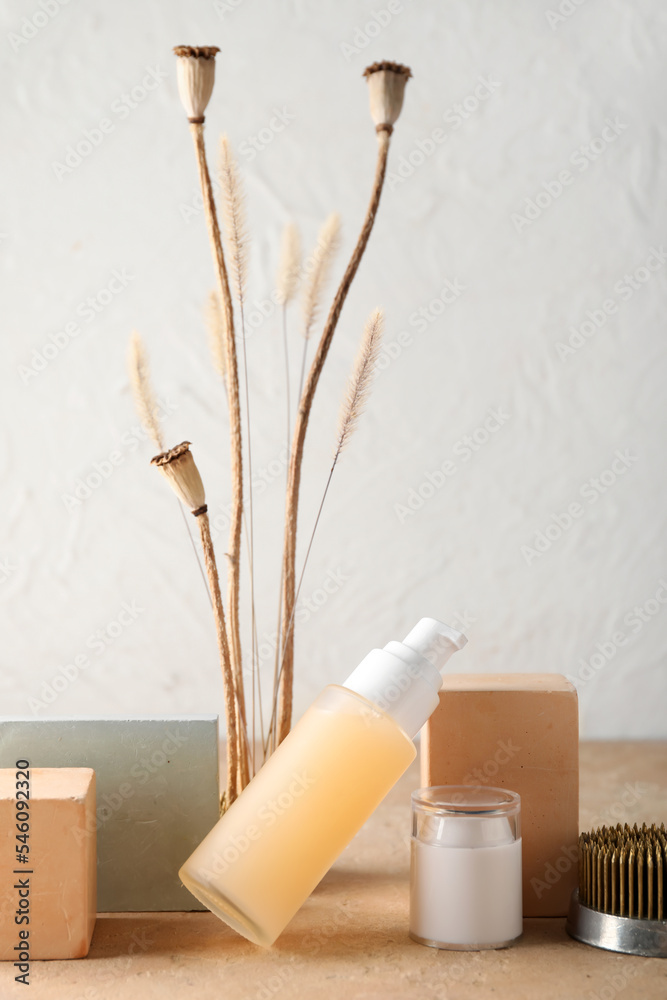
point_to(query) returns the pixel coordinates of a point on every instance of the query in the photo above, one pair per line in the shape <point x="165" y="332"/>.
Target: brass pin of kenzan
<point x="620" y="902"/>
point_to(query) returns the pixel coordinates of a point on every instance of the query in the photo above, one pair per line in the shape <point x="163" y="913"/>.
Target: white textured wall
<point x="505" y="98"/>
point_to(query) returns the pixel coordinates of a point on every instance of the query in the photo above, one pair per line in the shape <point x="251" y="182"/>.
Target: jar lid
<point x="469" y="799"/>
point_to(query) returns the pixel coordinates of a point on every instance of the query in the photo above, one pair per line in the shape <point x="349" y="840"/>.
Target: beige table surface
<point x="350" y="939"/>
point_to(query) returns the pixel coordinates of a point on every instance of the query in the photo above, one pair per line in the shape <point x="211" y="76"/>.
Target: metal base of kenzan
<point x="625" y="934"/>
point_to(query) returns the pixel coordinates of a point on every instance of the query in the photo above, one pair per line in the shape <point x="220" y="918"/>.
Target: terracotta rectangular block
<point x="56" y="889"/>
<point x="520" y="732"/>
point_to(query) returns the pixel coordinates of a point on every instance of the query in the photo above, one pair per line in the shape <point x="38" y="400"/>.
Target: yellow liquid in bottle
<point x="275" y="843"/>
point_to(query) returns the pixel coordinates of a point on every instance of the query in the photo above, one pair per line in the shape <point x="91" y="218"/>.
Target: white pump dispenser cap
<point x="404" y="678"/>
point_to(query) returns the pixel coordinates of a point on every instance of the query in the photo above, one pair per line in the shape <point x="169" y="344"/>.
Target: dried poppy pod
<point x="386" y="87"/>
<point x="195" y="76"/>
<point x="179" y="469"/>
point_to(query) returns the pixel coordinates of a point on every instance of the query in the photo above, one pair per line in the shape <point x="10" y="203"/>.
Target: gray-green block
<point x="157" y="796"/>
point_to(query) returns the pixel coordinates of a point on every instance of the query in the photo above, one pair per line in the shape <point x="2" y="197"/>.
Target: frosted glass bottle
<point x="275" y="843"/>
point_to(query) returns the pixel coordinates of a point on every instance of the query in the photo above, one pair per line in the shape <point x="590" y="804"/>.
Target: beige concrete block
<point x="56" y="889"/>
<point x="521" y="732"/>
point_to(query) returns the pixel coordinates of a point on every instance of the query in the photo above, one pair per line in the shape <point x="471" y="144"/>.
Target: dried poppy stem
<point x="386" y="86"/>
<point x="234" y="737"/>
<point x="178" y="467"/>
<point x="196" y="68"/>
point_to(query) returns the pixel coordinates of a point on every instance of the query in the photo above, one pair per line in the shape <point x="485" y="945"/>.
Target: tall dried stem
<point x="236" y="238"/>
<point x="284" y="712"/>
<point x="179" y="469"/>
<point x="289" y="274"/>
<point x="317" y="269"/>
<point x="355" y="398"/>
<point x="234" y="743"/>
<point x="236" y="458"/>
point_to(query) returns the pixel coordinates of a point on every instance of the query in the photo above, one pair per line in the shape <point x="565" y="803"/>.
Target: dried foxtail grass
<point x="361" y="380"/>
<point x="318" y="269"/>
<point x="142" y="389"/>
<point x="321" y="259"/>
<point x="214" y="320"/>
<point x="290" y="265"/>
<point x="299" y="436"/>
<point x="234" y="217"/>
<point x="147" y="410"/>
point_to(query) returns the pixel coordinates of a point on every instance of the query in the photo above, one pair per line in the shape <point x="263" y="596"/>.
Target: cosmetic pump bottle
<point x="270" y="849"/>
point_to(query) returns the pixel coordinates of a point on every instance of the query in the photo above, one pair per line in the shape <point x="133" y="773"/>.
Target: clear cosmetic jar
<point x="465" y="867"/>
